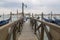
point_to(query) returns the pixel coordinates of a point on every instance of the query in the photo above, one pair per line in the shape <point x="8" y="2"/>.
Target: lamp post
<point x="23" y="9"/>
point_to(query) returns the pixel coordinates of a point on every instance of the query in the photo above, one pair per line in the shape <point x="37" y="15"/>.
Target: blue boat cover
<point x="3" y="22"/>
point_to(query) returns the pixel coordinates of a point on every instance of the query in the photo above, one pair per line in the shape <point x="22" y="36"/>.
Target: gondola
<point x="3" y="22"/>
<point x="57" y="21"/>
<point x="49" y="20"/>
<point x="46" y="19"/>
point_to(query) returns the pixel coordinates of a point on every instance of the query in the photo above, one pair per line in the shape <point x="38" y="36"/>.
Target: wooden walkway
<point x="27" y="33"/>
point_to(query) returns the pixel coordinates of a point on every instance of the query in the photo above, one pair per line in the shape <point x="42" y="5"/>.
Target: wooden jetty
<point x="29" y="30"/>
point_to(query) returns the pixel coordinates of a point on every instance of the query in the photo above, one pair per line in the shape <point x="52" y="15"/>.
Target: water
<point x="14" y="17"/>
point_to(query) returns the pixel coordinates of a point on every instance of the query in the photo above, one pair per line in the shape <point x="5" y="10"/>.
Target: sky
<point x="33" y="6"/>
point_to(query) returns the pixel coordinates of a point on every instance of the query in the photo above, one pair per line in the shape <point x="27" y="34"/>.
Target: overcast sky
<point x="33" y="6"/>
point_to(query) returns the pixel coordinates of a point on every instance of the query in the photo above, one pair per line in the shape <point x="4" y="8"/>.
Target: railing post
<point x="35" y="27"/>
<point x="42" y="29"/>
<point x="42" y="33"/>
<point x="14" y="32"/>
<point x="32" y="21"/>
<point x="19" y="28"/>
<point x="22" y="21"/>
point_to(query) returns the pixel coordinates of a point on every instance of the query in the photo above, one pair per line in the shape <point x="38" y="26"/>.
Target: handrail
<point x="1" y="27"/>
<point x="53" y="27"/>
<point x="57" y="27"/>
<point x="7" y="30"/>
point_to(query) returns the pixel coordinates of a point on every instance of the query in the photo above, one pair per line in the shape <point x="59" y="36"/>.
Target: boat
<point x="57" y="21"/>
<point x="49" y="20"/>
<point x="46" y="19"/>
<point x="3" y="22"/>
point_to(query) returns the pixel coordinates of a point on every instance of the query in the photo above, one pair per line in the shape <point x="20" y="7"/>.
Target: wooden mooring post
<point x="51" y="14"/>
<point x="3" y="16"/>
<point x="17" y="14"/>
<point x="11" y="16"/>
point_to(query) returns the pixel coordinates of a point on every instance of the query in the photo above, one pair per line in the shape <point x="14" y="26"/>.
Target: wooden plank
<point x="27" y="33"/>
<point x="3" y="34"/>
<point x="55" y="34"/>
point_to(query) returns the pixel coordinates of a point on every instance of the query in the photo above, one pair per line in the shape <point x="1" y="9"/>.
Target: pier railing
<point x="11" y="30"/>
<point x="52" y="30"/>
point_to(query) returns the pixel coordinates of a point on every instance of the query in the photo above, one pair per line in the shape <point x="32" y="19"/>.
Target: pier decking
<point x="27" y="32"/>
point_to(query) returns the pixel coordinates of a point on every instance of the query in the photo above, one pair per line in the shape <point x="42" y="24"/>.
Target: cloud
<point x="30" y="2"/>
<point x="33" y="5"/>
<point x="10" y="5"/>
